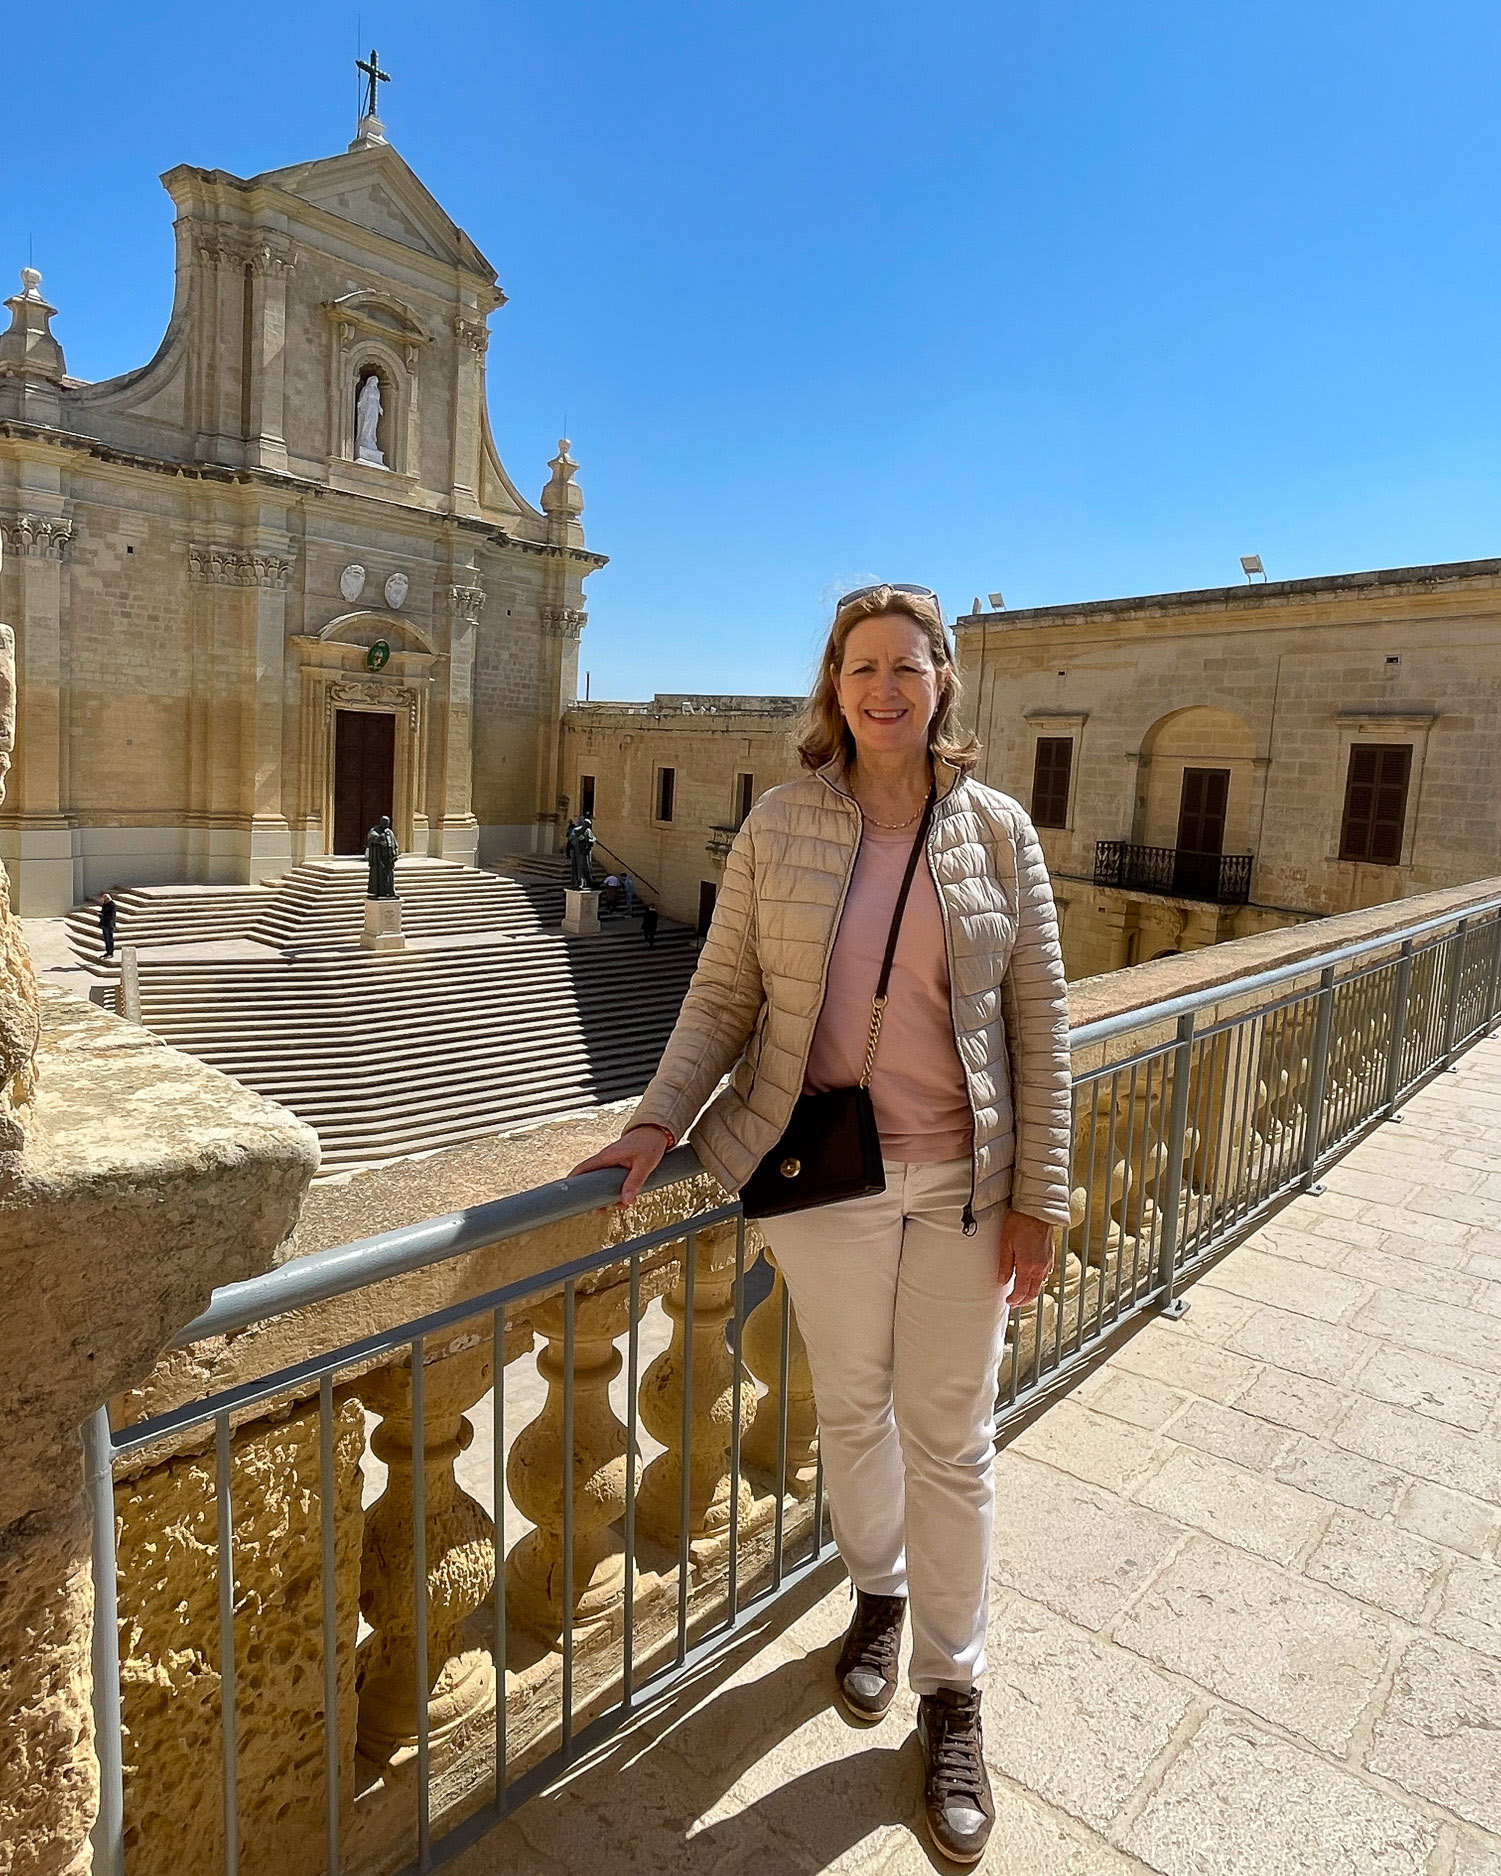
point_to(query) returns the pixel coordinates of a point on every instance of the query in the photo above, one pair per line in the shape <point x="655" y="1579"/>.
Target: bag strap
<point x="878" y="1001"/>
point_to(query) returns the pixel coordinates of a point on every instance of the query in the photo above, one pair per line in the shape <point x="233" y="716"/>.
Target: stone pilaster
<point x="216" y="365"/>
<point x="454" y="829"/>
<point x="35" y="544"/>
<point x="269" y="259"/>
<point x="472" y="337"/>
<point x="244" y="599"/>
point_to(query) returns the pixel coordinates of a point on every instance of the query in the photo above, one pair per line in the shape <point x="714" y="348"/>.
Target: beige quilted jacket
<point x="756" y="995"/>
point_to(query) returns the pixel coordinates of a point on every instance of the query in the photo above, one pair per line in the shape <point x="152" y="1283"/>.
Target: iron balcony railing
<point x="1217" y="878"/>
<point x="505" y="1624"/>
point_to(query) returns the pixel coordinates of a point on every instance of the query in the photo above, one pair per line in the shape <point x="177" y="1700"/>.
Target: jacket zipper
<point x="844" y="893"/>
<point x="968" y="1218"/>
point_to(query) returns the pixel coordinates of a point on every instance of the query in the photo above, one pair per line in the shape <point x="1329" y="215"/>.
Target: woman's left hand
<point x="1026" y="1251"/>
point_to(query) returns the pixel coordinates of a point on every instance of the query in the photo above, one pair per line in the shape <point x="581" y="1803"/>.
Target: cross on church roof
<point x="376" y="77"/>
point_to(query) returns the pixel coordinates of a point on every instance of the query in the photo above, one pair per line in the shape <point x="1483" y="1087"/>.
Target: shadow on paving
<point x="650" y="1799"/>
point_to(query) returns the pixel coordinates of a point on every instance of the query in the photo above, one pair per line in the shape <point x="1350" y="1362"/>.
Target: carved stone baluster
<point x="460" y="1560"/>
<point x="534" y="1569"/>
<point x="712" y="1410"/>
<point x="762" y="1342"/>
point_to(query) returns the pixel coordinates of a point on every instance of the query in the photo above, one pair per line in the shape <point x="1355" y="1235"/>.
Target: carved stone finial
<point x="562" y="496"/>
<point x="27" y="347"/>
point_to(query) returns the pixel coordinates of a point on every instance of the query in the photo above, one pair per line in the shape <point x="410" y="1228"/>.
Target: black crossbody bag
<point x="831" y="1149"/>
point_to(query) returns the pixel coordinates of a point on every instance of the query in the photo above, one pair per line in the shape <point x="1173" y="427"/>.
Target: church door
<point x="364" y="775"/>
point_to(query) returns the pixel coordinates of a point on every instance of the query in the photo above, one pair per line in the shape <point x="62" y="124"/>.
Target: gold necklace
<point x="894" y="827"/>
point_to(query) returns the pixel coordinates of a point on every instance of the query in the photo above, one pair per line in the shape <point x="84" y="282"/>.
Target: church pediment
<point x="375" y="189"/>
<point x="367" y="310"/>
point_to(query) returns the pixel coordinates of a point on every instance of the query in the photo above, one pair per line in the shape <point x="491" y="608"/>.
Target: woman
<point x="901" y="1297"/>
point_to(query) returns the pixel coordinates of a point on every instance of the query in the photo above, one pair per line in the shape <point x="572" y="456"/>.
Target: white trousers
<point x="904" y="1319"/>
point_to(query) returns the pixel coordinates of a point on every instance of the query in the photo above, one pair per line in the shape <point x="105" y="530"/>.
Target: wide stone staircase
<point x="318" y="906"/>
<point x="491" y="1019"/>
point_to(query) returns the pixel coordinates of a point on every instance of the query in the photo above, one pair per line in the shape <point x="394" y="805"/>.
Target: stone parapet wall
<point x="145" y="1180"/>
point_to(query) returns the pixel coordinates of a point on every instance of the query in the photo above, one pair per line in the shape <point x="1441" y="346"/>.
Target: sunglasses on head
<point x="891" y="586"/>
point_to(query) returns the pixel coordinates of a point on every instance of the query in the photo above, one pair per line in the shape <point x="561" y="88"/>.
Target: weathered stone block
<point x="170" y="1656"/>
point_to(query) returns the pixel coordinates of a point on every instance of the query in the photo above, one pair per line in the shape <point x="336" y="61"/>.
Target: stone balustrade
<point x="1246" y="1104"/>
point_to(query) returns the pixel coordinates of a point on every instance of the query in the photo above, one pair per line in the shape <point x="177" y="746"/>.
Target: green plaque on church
<point x="378" y="655"/>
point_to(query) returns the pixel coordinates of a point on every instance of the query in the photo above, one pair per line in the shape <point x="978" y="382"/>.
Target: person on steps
<point x="109" y="914"/>
<point x="649" y="925"/>
<point x="902" y="1296"/>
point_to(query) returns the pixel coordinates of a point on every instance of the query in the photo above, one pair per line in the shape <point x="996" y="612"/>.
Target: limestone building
<point x="277" y="580"/>
<point x="669" y="782"/>
<point x="1204" y="765"/>
<point x="1200" y="765"/>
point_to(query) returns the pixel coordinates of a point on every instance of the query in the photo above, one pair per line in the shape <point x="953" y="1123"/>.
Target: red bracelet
<point x="657" y="1127"/>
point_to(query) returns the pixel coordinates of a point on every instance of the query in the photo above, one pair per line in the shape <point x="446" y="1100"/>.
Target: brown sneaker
<point x="956" y="1787"/>
<point x="865" y="1673"/>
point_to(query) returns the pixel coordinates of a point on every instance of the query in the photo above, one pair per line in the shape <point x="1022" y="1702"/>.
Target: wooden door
<point x="707" y="893"/>
<point x="1201" y="832"/>
<point x="364" y="775"/>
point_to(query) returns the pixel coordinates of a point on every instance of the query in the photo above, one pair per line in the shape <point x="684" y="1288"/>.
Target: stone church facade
<point x="278" y="580"/>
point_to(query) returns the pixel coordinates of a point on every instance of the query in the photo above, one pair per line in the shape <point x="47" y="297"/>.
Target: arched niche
<point x="1199" y="737"/>
<point x="375" y="335"/>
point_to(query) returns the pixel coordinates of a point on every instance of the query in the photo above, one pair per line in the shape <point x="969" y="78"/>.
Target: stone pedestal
<point x="382" y="926"/>
<point x="581" y="913"/>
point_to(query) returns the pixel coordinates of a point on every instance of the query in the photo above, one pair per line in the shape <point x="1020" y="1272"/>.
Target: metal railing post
<point x="1172" y="1179"/>
<point x="108" y="1834"/>
<point x="1456" y="985"/>
<point x="1400" y="995"/>
<point x="1318" y="1072"/>
<point x="1495" y="983"/>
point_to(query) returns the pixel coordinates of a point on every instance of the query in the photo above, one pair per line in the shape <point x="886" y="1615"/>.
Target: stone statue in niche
<point x="20" y="1015"/>
<point x="578" y="843"/>
<point x="367" y="410"/>
<point x="380" y="855"/>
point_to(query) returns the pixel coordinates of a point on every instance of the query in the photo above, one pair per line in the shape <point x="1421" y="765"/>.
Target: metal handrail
<point x="323" y="1275"/>
<point x="1170" y="1008"/>
<point x="640" y="877"/>
<point x="1213" y="1129"/>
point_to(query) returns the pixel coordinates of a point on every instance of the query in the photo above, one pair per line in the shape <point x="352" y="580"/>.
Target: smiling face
<point x="888" y="685"/>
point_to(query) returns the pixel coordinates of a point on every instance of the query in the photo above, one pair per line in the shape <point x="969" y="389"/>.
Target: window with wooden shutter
<point x="1050" y="778"/>
<point x="666" y="789"/>
<point x="1375" y="802"/>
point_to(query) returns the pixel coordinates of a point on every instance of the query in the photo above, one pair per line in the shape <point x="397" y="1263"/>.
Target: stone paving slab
<point x="1247" y="1590"/>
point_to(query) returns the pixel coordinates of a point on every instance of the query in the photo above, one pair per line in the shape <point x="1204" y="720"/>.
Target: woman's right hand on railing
<point x="640" y="1150"/>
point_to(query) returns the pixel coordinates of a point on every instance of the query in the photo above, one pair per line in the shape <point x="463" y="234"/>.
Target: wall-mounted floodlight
<point x="997" y="604"/>
<point x="1250" y="564"/>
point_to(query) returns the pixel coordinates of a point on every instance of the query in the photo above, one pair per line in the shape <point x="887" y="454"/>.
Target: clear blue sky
<point x="1068" y="300"/>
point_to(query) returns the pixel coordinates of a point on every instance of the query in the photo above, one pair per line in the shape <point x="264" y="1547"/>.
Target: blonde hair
<point x="822" y="732"/>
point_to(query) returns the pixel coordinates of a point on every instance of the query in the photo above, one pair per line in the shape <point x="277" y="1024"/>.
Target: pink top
<point x="922" y="1107"/>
